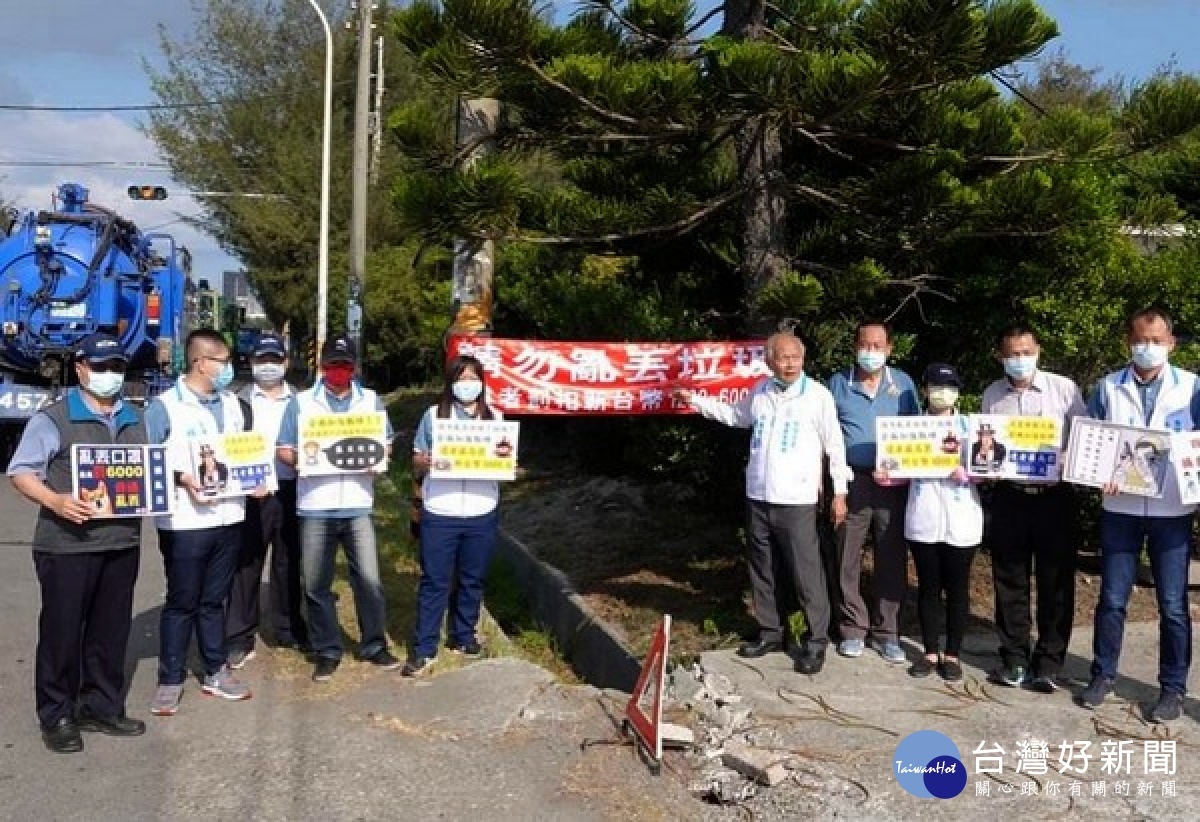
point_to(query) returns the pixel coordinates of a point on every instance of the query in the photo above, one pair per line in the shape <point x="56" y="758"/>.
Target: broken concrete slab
<point x="763" y="766"/>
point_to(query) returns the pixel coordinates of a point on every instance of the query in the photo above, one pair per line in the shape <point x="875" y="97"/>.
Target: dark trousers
<point x="1168" y="543"/>
<point x="83" y="631"/>
<point x="271" y="523"/>
<point x="455" y="552"/>
<point x="879" y="511"/>
<point x="1034" y="535"/>
<point x="784" y="553"/>
<point x="199" y="568"/>
<point x="943" y="569"/>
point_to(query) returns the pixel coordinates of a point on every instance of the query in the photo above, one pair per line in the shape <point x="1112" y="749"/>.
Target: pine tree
<point x="845" y="142"/>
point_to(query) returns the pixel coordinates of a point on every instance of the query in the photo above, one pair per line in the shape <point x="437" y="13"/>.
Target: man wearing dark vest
<point x="86" y="567"/>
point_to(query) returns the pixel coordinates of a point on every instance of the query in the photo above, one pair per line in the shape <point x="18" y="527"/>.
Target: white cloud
<point x="51" y="137"/>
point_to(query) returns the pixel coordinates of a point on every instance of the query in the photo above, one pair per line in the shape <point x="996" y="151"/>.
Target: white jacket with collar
<point x="1172" y="412"/>
<point x="335" y="492"/>
<point x="190" y="420"/>
<point x="793" y="430"/>
<point x="942" y="510"/>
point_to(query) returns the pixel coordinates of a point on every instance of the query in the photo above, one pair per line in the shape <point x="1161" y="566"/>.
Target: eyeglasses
<point x="221" y="360"/>
<point x="116" y="366"/>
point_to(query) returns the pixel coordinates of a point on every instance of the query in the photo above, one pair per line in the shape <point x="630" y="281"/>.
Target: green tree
<point x="245" y="117"/>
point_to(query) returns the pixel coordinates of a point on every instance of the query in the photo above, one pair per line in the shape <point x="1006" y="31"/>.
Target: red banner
<point x="537" y="377"/>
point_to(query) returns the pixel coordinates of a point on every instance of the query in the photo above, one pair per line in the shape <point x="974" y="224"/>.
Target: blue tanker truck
<point x="73" y="270"/>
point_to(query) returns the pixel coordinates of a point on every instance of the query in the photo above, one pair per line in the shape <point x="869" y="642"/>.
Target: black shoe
<point x="1169" y="707"/>
<point x="923" y="667"/>
<point x="1093" y="695"/>
<point x="63" y="737"/>
<point x="950" y="670"/>
<point x="324" y="668"/>
<point x="384" y="659"/>
<point x="1043" y="684"/>
<point x="810" y="662"/>
<point x="470" y="649"/>
<point x="1012" y="676"/>
<point x="294" y="645"/>
<point x="762" y="647"/>
<point x="110" y="725"/>
<point x="416" y="666"/>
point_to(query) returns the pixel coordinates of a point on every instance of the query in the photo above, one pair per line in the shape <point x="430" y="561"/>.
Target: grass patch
<point x="531" y="641"/>
<point x="400" y="570"/>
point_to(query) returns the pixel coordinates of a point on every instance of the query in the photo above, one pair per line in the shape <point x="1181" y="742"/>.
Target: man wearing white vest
<point x="200" y="540"/>
<point x="795" y="427"/>
<point x="336" y="510"/>
<point x="1148" y="393"/>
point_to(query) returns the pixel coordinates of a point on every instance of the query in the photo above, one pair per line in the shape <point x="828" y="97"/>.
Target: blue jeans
<point x="1121" y="538"/>
<point x="319" y="540"/>
<point x="199" y="568"/>
<point x="450" y="544"/>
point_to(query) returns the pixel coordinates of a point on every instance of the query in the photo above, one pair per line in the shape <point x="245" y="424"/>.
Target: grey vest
<point x="55" y="535"/>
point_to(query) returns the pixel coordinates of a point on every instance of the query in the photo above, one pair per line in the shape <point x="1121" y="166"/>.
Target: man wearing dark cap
<point x="987" y="455"/>
<point x="270" y="522"/>
<point x="86" y="566"/>
<point x="336" y="510"/>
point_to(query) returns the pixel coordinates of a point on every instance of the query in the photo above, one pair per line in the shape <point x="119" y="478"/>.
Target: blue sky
<point x="90" y="52"/>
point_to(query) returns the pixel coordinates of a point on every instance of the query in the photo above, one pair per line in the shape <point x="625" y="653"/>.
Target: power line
<point x="155" y="106"/>
<point x="131" y="164"/>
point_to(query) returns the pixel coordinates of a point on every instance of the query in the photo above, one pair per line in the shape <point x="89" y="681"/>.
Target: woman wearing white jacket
<point x="944" y="526"/>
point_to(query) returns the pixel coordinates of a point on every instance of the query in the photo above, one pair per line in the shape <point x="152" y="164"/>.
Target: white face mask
<point x="105" y="384"/>
<point x="1149" y="355"/>
<point x="269" y="373"/>
<point x="942" y="397"/>
<point x="467" y="391"/>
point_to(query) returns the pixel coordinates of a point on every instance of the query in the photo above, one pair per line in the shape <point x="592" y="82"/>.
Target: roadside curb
<point x="594" y="650"/>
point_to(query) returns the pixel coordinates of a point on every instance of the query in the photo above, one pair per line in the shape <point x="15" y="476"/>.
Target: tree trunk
<point x="760" y="167"/>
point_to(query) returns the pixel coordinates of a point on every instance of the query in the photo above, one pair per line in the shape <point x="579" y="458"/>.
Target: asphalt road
<point x="495" y="740"/>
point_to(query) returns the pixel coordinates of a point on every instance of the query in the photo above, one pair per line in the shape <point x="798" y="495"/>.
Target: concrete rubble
<point x="733" y="756"/>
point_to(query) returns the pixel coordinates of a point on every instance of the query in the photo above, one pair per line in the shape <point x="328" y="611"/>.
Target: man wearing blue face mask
<point x="870" y="389"/>
<point x="1150" y="393"/>
<point x="201" y="539"/>
<point x="1033" y="524"/>
<point x="86" y="566"/>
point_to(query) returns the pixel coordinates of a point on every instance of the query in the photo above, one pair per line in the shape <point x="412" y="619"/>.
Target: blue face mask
<point x="105" y="384"/>
<point x="870" y="361"/>
<point x="223" y="378"/>
<point x="1020" y="368"/>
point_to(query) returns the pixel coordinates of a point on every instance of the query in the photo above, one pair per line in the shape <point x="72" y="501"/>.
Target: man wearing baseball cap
<point x="86" y="565"/>
<point x="270" y="522"/>
<point x="336" y="510"/>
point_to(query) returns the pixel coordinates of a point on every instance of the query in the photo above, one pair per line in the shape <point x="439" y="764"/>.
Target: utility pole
<point x="474" y="259"/>
<point x="358" y="203"/>
<point x="377" y="114"/>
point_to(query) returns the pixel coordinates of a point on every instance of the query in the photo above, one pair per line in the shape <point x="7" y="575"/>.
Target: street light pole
<point x="323" y="243"/>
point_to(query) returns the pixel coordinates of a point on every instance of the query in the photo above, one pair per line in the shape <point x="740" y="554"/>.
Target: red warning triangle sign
<point x="644" y="710"/>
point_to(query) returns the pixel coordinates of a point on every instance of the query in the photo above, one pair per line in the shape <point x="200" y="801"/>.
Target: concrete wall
<point x="588" y="643"/>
